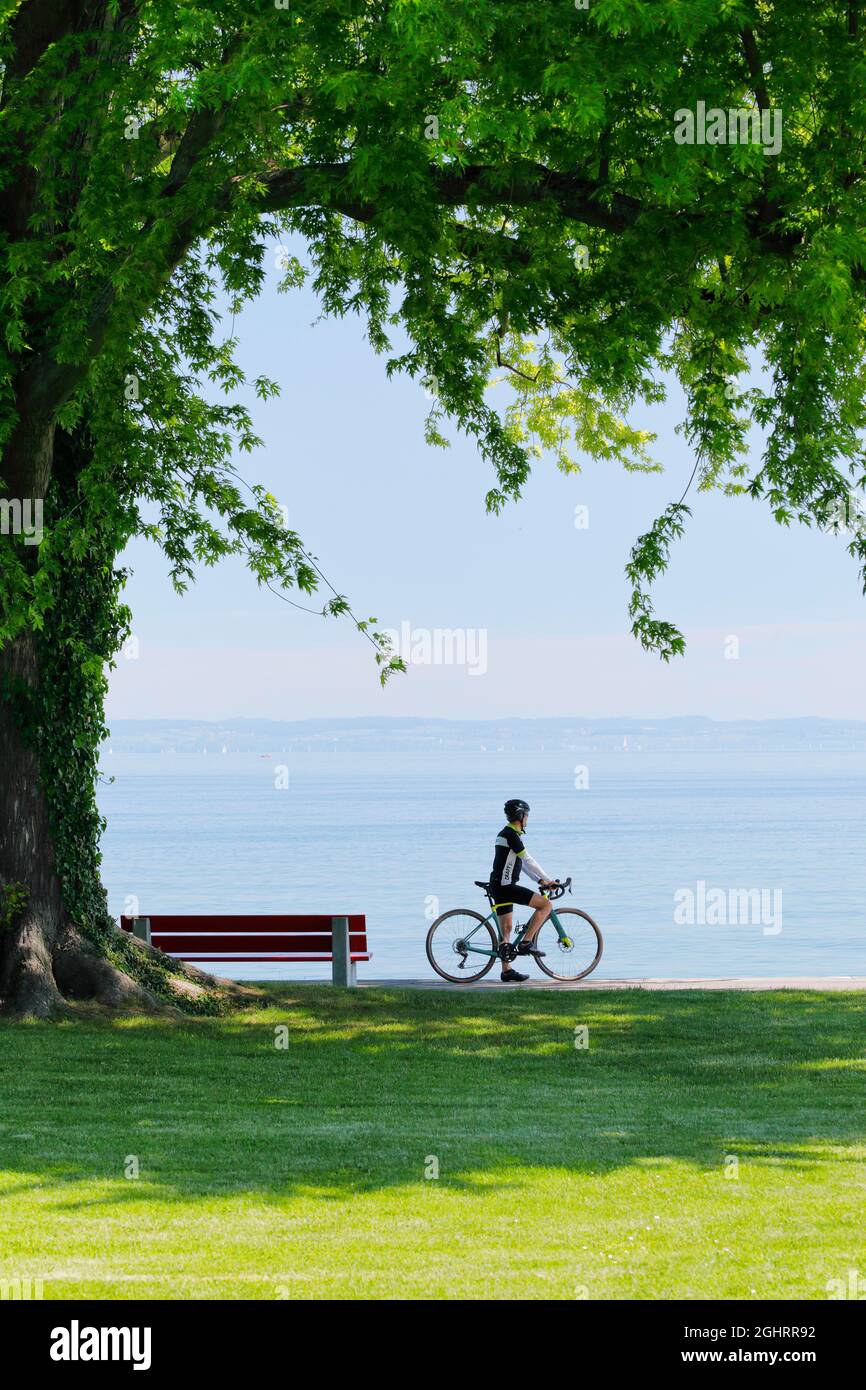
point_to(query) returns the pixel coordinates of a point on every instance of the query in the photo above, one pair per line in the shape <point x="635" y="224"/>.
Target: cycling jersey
<point x="509" y="856"/>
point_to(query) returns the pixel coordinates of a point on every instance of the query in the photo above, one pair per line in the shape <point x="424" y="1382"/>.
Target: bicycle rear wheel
<point x="579" y="954"/>
<point x="448" y="939"/>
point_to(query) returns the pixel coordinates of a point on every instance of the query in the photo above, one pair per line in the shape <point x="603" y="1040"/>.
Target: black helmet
<point x="516" y="809"/>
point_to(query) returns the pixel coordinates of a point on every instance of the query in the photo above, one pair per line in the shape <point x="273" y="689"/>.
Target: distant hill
<point x="420" y="735"/>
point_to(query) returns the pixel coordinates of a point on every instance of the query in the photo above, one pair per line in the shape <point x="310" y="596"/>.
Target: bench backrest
<point x="297" y="937"/>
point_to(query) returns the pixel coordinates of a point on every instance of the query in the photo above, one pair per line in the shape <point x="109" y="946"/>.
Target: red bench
<point x="340" y="940"/>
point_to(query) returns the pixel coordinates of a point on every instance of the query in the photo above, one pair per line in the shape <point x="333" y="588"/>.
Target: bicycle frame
<point x="515" y="940"/>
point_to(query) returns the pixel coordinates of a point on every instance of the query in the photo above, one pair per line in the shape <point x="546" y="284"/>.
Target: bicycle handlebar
<point x="558" y="889"/>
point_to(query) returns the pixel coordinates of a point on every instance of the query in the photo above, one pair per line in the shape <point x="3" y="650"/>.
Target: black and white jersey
<point x="510" y="856"/>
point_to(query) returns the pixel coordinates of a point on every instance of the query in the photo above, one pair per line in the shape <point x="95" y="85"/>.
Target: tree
<point x="581" y="199"/>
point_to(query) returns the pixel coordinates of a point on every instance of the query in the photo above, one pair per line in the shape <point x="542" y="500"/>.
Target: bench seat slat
<point x="259" y="955"/>
<point x="198" y="932"/>
<point x="179" y="944"/>
<point x="263" y="921"/>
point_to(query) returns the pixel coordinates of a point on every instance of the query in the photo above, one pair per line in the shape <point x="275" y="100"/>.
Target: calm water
<point x="402" y="838"/>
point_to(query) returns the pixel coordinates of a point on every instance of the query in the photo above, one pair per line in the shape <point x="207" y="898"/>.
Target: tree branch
<point x="756" y="68"/>
<point x="524" y="185"/>
<point x="37" y="25"/>
<point x="48" y="384"/>
<point x="203" y="126"/>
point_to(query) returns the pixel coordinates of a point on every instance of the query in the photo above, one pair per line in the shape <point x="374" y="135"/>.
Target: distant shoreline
<point x="693" y="733"/>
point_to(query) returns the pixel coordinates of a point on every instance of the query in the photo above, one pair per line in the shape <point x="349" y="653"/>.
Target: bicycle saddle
<point x="479" y="884"/>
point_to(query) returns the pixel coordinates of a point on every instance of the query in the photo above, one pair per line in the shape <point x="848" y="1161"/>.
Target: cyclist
<point x="510" y="856"/>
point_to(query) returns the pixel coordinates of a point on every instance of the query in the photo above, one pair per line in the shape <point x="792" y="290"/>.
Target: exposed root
<point x="27" y="982"/>
<point x="187" y="983"/>
<point x="81" y="972"/>
<point x="33" y="994"/>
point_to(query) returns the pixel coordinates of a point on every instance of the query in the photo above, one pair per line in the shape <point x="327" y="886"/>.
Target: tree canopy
<point x="502" y="180"/>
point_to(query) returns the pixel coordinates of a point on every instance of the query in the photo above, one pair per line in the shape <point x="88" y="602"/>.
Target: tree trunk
<point x="57" y="942"/>
<point x="26" y="853"/>
<point x="45" y="960"/>
<point x="42" y="957"/>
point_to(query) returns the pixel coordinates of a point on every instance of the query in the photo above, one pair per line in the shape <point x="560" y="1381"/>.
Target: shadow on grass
<point x="336" y="1093"/>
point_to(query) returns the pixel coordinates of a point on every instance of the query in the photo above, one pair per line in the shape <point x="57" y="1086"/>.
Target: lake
<point x="775" y="839"/>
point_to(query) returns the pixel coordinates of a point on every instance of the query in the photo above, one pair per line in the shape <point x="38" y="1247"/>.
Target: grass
<point x="298" y="1172"/>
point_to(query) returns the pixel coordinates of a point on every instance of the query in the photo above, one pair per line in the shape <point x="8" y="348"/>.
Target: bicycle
<point x="568" y="946"/>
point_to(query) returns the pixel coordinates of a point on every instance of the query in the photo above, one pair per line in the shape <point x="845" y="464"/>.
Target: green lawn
<point x="299" y="1172"/>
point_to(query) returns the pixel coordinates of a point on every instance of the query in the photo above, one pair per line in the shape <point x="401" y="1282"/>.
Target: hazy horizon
<point x="383" y="734"/>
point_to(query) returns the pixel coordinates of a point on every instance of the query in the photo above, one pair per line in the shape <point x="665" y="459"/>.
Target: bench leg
<point x="141" y="929"/>
<point x="343" y="970"/>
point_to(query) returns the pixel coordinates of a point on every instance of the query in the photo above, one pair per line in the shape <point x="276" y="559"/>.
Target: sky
<point x="774" y="617"/>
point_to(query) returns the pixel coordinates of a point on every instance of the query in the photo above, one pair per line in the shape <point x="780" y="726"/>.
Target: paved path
<point x="822" y="982"/>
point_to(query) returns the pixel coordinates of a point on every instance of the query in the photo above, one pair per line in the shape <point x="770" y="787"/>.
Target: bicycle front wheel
<point x="577" y="955"/>
<point x="453" y="942"/>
